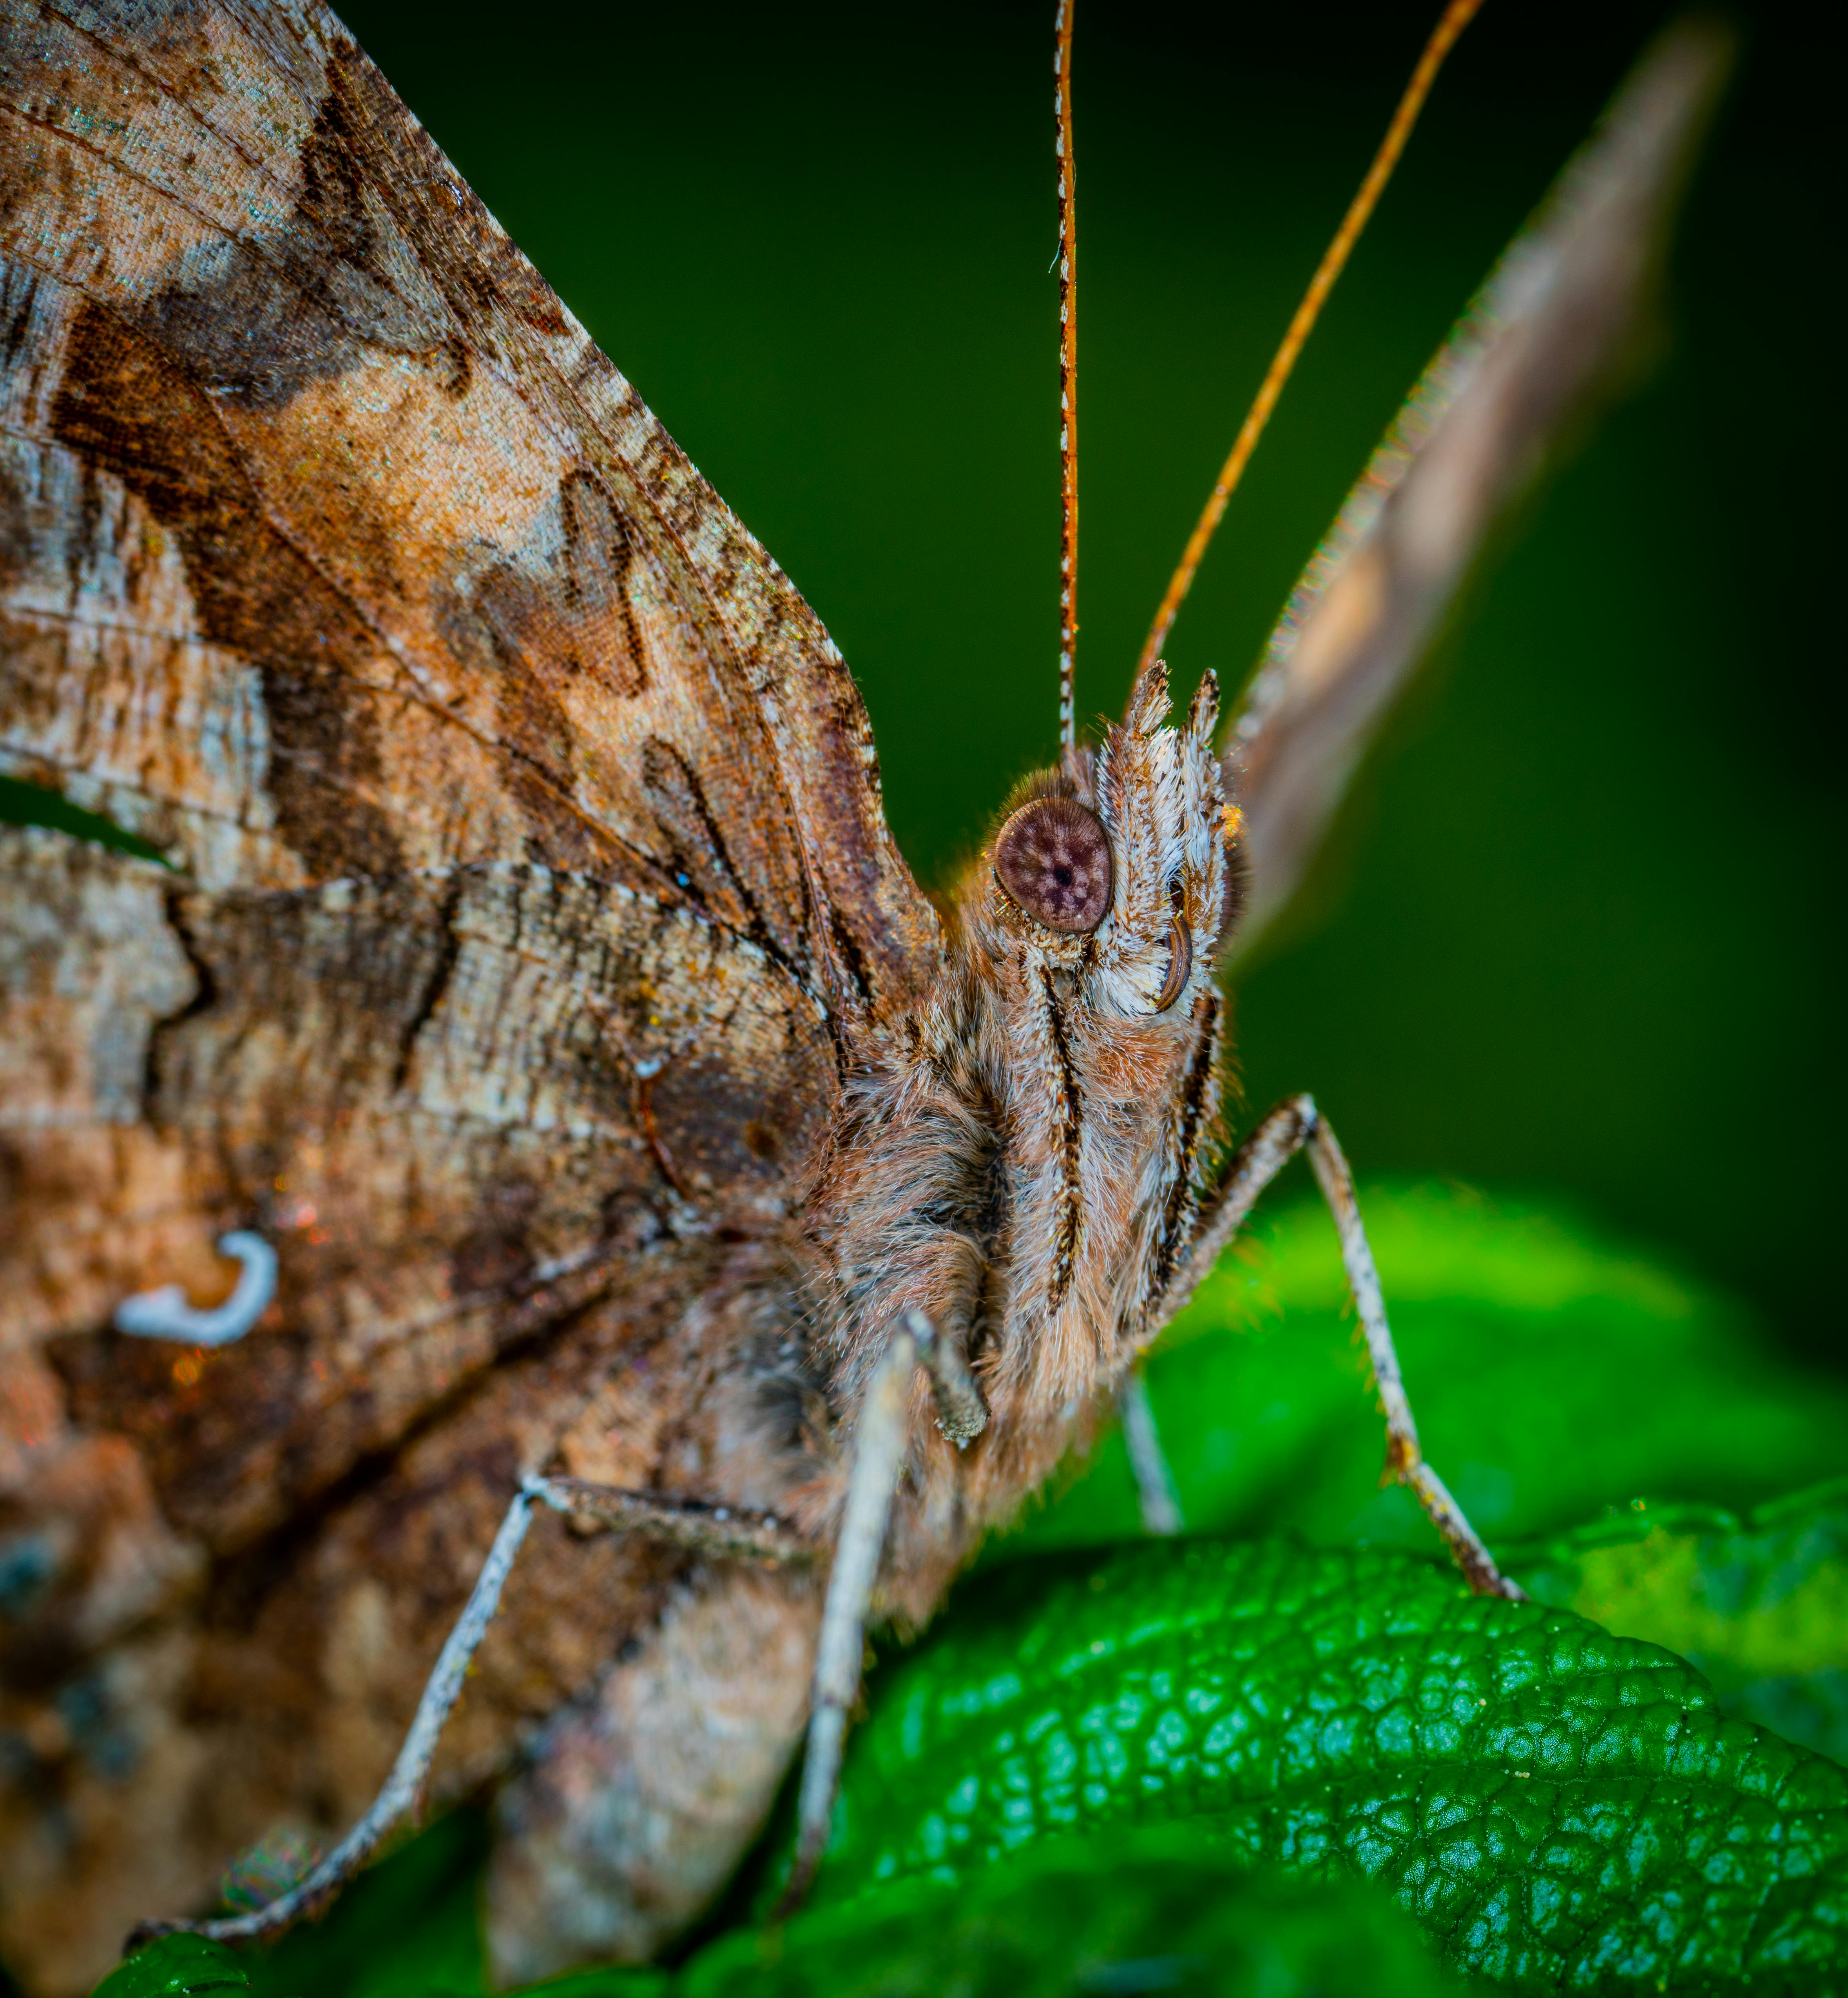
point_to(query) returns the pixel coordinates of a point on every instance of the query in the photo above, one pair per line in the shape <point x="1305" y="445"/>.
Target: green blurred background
<point x="1580" y="932"/>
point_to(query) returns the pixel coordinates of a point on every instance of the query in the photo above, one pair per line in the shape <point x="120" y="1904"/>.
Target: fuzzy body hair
<point x="1018" y="1157"/>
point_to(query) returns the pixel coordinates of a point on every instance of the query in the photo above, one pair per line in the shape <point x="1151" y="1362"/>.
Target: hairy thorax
<point x="1016" y="1157"/>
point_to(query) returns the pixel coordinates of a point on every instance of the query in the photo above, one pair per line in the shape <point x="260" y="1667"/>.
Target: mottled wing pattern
<point x="1546" y="334"/>
<point x="525" y="856"/>
<point x="523" y="820"/>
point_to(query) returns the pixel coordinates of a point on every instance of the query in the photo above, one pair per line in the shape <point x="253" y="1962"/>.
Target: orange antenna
<point x="1068" y="380"/>
<point x="1456" y="17"/>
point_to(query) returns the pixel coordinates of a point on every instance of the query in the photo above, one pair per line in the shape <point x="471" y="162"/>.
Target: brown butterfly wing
<point x="526" y="821"/>
<point x="487" y="607"/>
<point x="1547" y="332"/>
<point x="526" y="861"/>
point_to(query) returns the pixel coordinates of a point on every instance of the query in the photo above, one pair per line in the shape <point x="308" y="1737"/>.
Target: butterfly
<point x="630" y="1169"/>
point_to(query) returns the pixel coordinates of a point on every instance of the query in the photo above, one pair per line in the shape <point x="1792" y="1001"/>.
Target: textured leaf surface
<point x="1561" y="1809"/>
<point x="1143" y="1909"/>
<point x="1553" y="1374"/>
<point x="1152" y="1911"/>
<point x="1759" y="1602"/>
<point x="177" y="1966"/>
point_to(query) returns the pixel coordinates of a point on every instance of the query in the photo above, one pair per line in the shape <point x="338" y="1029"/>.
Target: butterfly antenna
<point x="1456" y="17"/>
<point x="1068" y="382"/>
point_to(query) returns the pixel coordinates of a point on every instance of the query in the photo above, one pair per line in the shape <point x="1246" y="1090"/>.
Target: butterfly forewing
<point x="525" y="847"/>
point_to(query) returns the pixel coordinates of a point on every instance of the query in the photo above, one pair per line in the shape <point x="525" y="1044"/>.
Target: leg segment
<point x="705" y="1530"/>
<point x="879" y="1457"/>
<point x="1252" y="1167"/>
<point x="1294" y="1126"/>
<point x="879" y="1462"/>
<point x="716" y="1531"/>
<point x="961" y="1414"/>
<point x="401" y="1785"/>
<point x="1403" y="1455"/>
<point x="1155" y="1483"/>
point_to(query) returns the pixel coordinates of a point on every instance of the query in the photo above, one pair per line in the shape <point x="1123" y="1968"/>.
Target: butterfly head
<point x="1121" y="867"/>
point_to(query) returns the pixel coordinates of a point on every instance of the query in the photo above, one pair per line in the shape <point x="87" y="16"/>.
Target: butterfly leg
<point x="878" y="1461"/>
<point x="1297" y="1125"/>
<point x="403" y="1785"/>
<point x="1156" y="1495"/>
<point x="718" y="1531"/>
<point x="710" y="1530"/>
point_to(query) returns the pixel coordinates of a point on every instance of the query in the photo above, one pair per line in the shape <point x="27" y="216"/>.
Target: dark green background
<point x="1580" y="932"/>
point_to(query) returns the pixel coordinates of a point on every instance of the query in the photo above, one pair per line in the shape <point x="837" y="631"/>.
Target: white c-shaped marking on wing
<point x="165" y="1314"/>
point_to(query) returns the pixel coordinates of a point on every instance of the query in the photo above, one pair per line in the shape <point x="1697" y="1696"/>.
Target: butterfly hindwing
<point x="1557" y="317"/>
<point x="517" y="804"/>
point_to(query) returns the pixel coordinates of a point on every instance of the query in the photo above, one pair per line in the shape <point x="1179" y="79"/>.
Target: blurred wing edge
<point x="1546" y="336"/>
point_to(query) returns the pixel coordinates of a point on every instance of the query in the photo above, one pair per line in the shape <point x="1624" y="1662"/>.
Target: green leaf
<point x="406" y="1928"/>
<point x="1759" y="1603"/>
<point x="607" y="1983"/>
<point x="1147" y="1911"/>
<point x="1553" y="1374"/>
<point x="32" y="804"/>
<point x="1559" y="1808"/>
<point x="176" y="1966"/>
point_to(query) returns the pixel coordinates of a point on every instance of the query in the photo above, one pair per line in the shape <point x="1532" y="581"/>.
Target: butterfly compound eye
<point x="1053" y="858"/>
